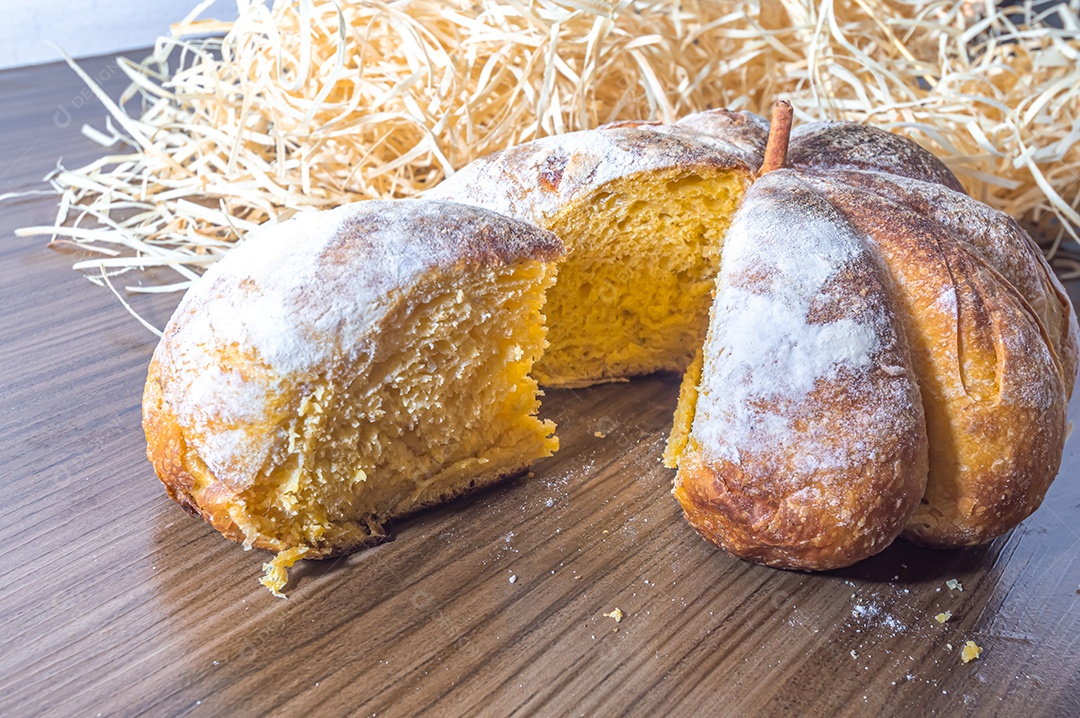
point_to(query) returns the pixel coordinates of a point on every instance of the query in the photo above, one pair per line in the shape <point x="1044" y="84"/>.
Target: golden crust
<point x="992" y="387"/>
<point x="740" y="508"/>
<point x="167" y="449"/>
<point x="845" y="145"/>
<point x="795" y="461"/>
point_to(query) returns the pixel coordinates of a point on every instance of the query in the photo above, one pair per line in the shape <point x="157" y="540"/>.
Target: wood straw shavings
<point x="311" y="104"/>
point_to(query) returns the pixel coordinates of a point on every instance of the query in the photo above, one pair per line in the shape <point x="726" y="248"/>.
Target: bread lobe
<point x="992" y="386"/>
<point x="534" y="181"/>
<point x="808" y="447"/>
<point x="997" y="239"/>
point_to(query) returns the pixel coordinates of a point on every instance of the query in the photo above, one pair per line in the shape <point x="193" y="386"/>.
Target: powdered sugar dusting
<point x="763" y="328"/>
<point x="766" y="351"/>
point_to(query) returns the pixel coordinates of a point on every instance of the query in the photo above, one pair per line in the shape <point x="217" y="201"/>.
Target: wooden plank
<point x="117" y="602"/>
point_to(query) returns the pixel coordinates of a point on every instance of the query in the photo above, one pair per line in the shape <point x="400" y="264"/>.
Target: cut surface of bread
<point x="643" y="209"/>
<point x="633" y="295"/>
<point x="417" y="397"/>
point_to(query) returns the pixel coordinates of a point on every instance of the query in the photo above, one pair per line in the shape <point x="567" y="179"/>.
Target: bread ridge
<point x="996" y="238"/>
<point x="831" y="145"/>
<point x="995" y="447"/>
<point x="811" y="464"/>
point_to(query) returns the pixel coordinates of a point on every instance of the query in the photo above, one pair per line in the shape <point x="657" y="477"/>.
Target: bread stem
<point x="779" y="134"/>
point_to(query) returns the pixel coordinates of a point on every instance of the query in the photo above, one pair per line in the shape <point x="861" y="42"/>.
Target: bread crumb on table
<point x="599" y="434"/>
<point x="970" y="652"/>
<point x="616" y="614"/>
<point x="943" y="617"/>
<point x="955" y="585"/>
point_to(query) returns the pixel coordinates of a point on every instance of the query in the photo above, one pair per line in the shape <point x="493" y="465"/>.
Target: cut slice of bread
<point x="350" y="367"/>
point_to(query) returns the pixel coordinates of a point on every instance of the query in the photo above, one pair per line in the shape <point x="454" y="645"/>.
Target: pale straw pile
<point x="314" y="103"/>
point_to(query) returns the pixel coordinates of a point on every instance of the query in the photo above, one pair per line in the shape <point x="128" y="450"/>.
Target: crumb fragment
<point x="616" y="614"/>
<point x="970" y="652"/>
<point x="943" y="617"/>
<point x="954" y="585"/>
<point x="599" y="435"/>
<point x="513" y="578"/>
<point x="276" y="573"/>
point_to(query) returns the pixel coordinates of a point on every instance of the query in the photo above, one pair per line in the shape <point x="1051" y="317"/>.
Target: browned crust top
<point x="846" y="145"/>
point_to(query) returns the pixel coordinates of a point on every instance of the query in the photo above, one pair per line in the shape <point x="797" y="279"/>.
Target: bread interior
<point x="633" y="295"/>
<point x="446" y="404"/>
<point x="684" y="412"/>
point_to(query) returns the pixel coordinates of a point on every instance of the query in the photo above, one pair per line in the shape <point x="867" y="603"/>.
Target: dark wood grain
<point x="116" y="602"/>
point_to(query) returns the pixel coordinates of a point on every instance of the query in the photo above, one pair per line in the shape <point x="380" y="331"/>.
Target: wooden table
<point x="115" y="602"/>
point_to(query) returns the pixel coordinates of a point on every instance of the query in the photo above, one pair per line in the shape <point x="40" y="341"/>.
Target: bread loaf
<point x="866" y="351"/>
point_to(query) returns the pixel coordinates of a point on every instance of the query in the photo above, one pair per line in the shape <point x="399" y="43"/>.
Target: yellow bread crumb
<point x="970" y="652"/>
<point x="943" y="617"/>
<point x="684" y="412"/>
<point x="616" y="614"/>
<point x="634" y="293"/>
<point x="277" y="571"/>
<point x="599" y="434"/>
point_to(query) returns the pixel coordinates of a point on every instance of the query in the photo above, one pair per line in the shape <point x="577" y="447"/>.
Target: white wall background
<point x="84" y="28"/>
